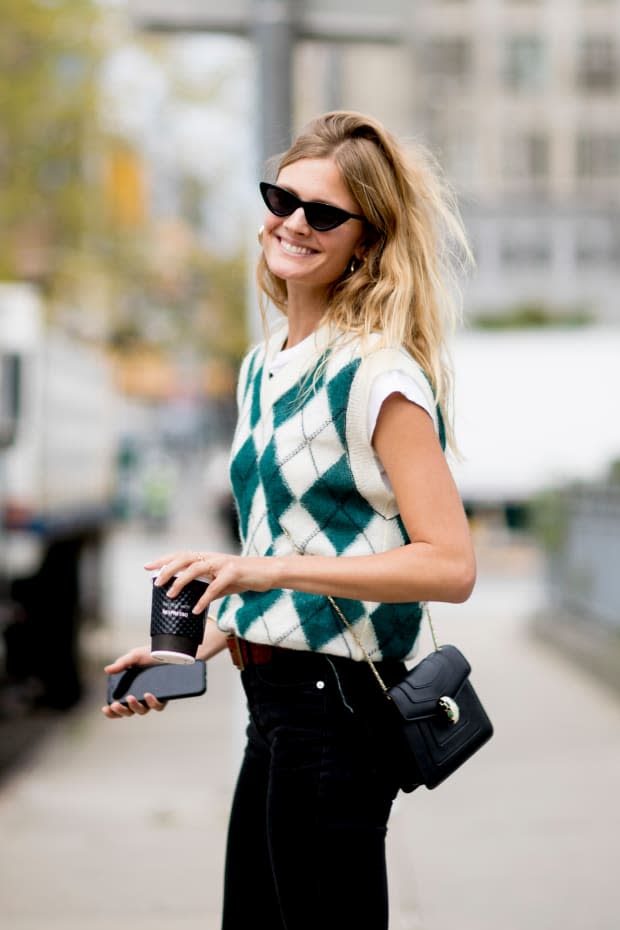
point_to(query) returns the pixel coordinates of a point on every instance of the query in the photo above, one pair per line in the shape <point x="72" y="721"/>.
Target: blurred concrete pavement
<point x="123" y="823"/>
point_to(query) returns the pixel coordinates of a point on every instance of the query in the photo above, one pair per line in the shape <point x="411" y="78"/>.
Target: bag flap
<point x="441" y="673"/>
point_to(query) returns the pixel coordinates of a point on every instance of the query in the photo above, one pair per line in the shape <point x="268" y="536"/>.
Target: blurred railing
<point x="581" y="535"/>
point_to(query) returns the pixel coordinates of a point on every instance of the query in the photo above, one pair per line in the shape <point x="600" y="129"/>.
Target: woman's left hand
<point x="227" y="574"/>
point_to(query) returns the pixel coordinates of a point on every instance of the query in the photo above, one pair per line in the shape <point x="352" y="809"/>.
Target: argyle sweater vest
<point x="305" y="479"/>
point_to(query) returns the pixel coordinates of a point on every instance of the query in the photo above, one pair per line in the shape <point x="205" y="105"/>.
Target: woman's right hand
<point x="141" y="656"/>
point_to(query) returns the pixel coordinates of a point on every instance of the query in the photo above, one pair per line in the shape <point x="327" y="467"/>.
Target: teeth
<point x="295" y="249"/>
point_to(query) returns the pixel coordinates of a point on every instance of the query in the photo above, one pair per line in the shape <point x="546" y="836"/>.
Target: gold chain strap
<point x="359" y="643"/>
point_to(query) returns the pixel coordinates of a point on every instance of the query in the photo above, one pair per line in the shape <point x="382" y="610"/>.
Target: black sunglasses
<point x="321" y="216"/>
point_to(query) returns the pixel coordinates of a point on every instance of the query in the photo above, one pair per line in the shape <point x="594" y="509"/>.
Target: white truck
<point x="58" y="448"/>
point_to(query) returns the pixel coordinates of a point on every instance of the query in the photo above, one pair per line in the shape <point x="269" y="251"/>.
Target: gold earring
<point x="260" y="235"/>
<point x="353" y="265"/>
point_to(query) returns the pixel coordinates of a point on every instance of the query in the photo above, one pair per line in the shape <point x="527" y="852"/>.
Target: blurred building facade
<point x="520" y="101"/>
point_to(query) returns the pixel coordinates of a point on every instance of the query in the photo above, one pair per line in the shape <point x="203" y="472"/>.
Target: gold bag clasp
<point x="450" y="708"/>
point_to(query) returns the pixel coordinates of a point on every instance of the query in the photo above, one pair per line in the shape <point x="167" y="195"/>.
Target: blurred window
<point x="526" y="245"/>
<point x="597" y="242"/>
<point x="597" y="63"/>
<point x="525" y="62"/>
<point x="456" y="150"/>
<point x="526" y="157"/>
<point x="598" y="155"/>
<point x="450" y="59"/>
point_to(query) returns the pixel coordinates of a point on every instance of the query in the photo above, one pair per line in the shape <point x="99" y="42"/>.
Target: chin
<point x="289" y="270"/>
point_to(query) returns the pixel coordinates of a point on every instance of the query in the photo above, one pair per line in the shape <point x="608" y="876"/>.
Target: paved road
<point x="122" y="824"/>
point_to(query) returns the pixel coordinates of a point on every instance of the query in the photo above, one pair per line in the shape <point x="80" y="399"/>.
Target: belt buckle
<point x="234" y="646"/>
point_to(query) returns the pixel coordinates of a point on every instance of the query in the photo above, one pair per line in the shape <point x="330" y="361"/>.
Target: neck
<point x="305" y="312"/>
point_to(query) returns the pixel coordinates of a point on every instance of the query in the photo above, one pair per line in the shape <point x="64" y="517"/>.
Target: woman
<point x="343" y="491"/>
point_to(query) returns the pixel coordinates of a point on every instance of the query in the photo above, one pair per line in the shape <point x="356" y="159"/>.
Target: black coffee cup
<point x="176" y="632"/>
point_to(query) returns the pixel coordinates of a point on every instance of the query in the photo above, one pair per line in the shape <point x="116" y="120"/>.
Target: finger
<point x="203" y="604"/>
<point x="161" y="561"/>
<point x="201" y="565"/>
<point x="222" y="582"/>
<point x="153" y="703"/>
<point x="139" y="656"/>
<point x="174" y="565"/>
<point x="119" y="665"/>
<point x="136" y="706"/>
<point x="116" y="710"/>
<point x="197" y="570"/>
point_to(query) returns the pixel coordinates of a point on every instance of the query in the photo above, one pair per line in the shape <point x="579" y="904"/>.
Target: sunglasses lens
<point x="323" y="217"/>
<point x="279" y="201"/>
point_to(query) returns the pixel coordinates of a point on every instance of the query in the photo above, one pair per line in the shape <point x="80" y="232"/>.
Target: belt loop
<point x="234" y="647"/>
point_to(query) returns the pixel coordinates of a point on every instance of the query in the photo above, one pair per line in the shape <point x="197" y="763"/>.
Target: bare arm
<point x="438" y="564"/>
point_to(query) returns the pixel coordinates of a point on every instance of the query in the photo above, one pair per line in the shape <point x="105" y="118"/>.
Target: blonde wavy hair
<point x="415" y="248"/>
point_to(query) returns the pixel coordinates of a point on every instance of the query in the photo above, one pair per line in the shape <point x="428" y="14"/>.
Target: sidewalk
<point x="527" y="834"/>
<point x="122" y="824"/>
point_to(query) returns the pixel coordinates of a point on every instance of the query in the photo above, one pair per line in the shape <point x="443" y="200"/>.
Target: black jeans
<point x="306" y="842"/>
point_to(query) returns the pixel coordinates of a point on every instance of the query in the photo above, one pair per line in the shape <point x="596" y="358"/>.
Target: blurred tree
<point x="174" y="291"/>
<point x="49" y="59"/>
<point x="218" y="321"/>
<point x="532" y="315"/>
<point x="75" y="214"/>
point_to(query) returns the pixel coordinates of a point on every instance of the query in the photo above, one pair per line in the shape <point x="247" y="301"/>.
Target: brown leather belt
<point x="244" y="653"/>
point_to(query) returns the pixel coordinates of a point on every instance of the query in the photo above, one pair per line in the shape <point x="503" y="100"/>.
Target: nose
<point x="297" y="221"/>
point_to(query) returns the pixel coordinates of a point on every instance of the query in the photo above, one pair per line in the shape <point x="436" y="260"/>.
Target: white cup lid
<point x="175" y="658"/>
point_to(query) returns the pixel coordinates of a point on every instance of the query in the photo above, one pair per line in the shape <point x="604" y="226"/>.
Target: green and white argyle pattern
<point x="299" y="487"/>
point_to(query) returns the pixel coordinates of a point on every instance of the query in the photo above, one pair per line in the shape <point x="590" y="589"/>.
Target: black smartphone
<point x="165" y="680"/>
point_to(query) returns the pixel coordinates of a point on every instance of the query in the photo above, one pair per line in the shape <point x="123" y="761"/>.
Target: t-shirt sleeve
<point x="410" y="384"/>
<point x="381" y="373"/>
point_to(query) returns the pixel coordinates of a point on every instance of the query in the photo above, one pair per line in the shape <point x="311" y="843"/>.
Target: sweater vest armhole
<point x="365" y="466"/>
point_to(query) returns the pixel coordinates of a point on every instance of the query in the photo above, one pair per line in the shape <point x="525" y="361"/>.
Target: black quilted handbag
<point x="438" y="711"/>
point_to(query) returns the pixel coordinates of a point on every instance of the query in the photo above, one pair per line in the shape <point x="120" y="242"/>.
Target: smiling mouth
<point x="292" y="249"/>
